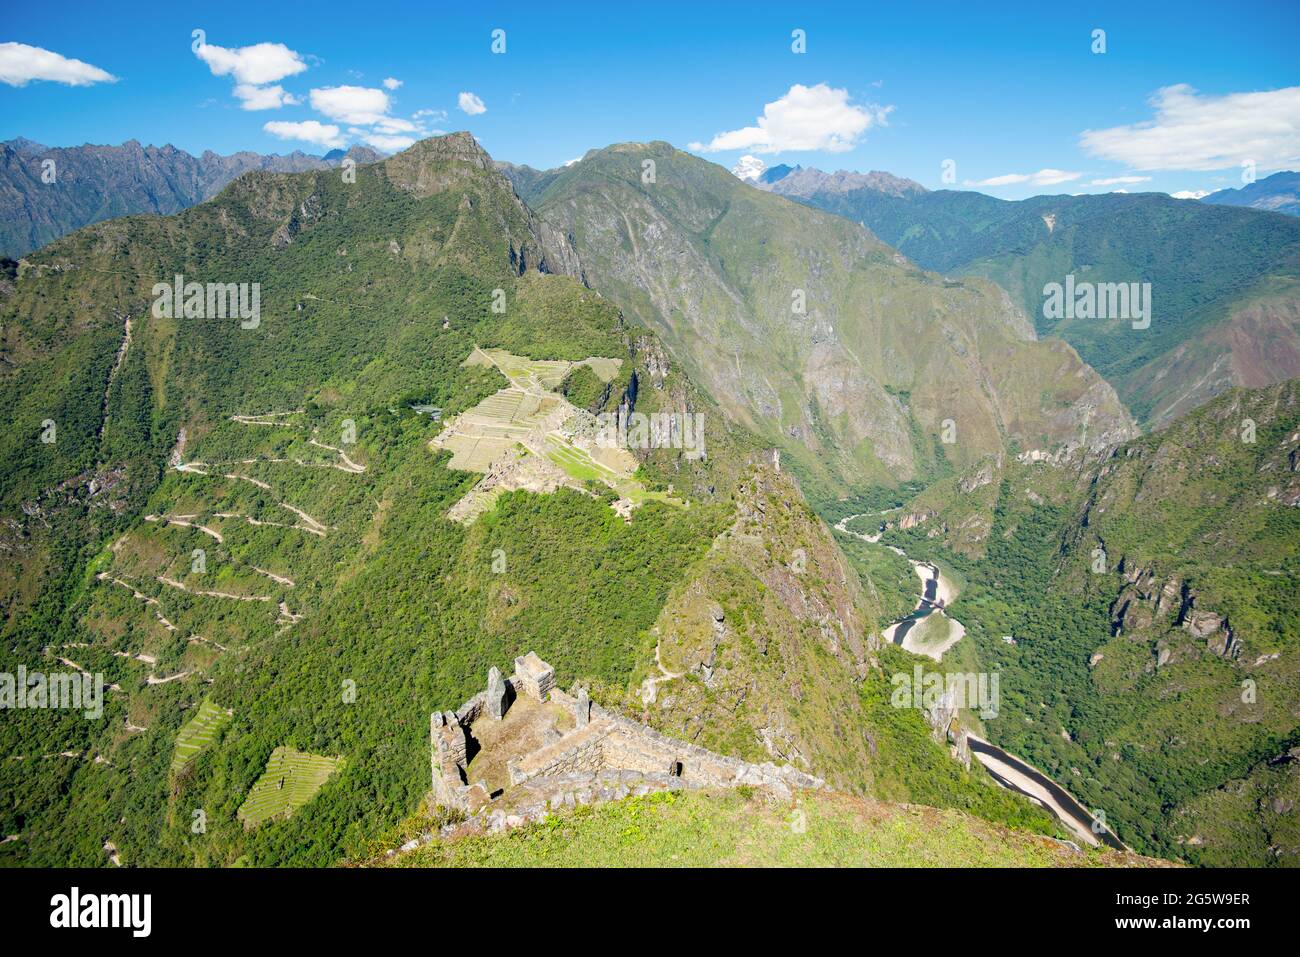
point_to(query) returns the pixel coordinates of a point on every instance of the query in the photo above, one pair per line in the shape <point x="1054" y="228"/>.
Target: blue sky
<point x="1006" y="94"/>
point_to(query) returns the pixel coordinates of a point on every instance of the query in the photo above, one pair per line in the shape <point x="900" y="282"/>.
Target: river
<point x="1008" y="770"/>
<point x="1017" y="775"/>
<point x="936" y="592"/>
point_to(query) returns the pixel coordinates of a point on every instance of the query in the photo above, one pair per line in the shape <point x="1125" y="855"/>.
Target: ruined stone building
<point x="522" y="746"/>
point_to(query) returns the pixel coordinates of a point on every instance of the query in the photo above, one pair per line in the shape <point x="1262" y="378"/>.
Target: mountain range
<point x="303" y="527"/>
<point x="47" y="192"/>
<point x="1153" y="664"/>
<point x="1224" y="305"/>
<point x="1279" y="193"/>
<point x="253" y="531"/>
<point x="1223" y="280"/>
<point x="812" y="332"/>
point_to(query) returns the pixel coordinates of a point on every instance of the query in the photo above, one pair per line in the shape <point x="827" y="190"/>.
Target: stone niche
<point x="534" y="677"/>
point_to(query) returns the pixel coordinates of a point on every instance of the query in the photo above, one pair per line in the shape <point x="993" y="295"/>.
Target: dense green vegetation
<point x="364" y="615"/>
<point x="301" y="574"/>
<point x="300" y="571"/>
<point x="910" y="768"/>
<point x="889" y="574"/>
<point x="1146" y="722"/>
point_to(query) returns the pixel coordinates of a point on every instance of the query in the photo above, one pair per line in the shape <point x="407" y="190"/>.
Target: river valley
<point x="913" y="633"/>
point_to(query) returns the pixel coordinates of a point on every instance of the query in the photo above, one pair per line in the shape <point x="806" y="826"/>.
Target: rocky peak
<point x="460" y="146"/>
<point x="802" y="183"/>
<point x="436" y="164"/>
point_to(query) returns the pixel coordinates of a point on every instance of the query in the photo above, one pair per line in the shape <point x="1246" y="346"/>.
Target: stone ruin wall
<point x="450" y="751"/>
<point x="577" y="751"/>
<point x="618" y="743"/>
<point x="602" y="741"/>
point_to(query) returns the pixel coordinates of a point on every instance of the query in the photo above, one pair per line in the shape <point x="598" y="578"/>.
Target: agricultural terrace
<point x="290" y="780"/>
<point x="199" y="732"/>
<point x="530" y="437"/>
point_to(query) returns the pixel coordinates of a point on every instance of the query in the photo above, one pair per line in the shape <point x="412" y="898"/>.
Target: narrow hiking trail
<point x="650" y="686"/>
<point x="185" y="521"/>
<point x="207" y="522"/>
<point x="278" y="579"/>
<point x="310" y="524"/>
<point x="173" y="583"/>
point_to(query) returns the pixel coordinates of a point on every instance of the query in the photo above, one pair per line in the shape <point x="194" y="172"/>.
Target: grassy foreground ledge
<point x="739" y="829"/>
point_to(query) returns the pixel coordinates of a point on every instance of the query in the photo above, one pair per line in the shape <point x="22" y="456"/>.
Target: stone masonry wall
<point x="578" y="751"/>
<point x="608" y="742"/>
<point x="636" y="747"/>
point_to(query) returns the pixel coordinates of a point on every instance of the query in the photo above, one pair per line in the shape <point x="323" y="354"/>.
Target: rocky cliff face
<point x="1163" y="614"/>
<point x="759" y="651"/>
<point x="807" y="329"/>
<point x="1223" y="280"/>
<point x="803" y="183"/>
<point x="448" y="162"/>
<point x="1150" y="605"/>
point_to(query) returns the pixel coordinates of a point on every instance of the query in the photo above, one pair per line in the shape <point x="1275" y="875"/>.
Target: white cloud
<point x="1194" y="132"/>
<point x="308" y="131"/>
<point x="471" y="104"/>
<point x="1044" y="177"/>
<point x="391" y="83"/>
<point x="576" y="159"/>
<point x="1190" y="193"/>
<point x="264" y="97"/>
<point x="1051" y="177"/>
<point x="254" y="65"/>
<point x="365" y="110"/>
<point x="1009" y="179"/>
<point x="1119" y="181"/>
<point x="394" y="124"/>
<point x="806" y="118"/>
<point x="389" y="144"/>
<point x="20" y="64"/>
<point x="351" y="104"/>
<point x="255" y="69"/>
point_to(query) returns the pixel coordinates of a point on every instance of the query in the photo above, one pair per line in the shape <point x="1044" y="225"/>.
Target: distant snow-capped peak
<point x="749" y="168"/>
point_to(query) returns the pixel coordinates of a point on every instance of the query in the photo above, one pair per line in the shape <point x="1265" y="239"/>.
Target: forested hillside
<point x="1150" y="598"/>
<point x="243" y="524"/>
<point x="47" y="192"/>
<point x="813" y="333"/>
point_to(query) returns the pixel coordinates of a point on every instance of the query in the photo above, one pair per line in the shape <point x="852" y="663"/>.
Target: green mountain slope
<point x="1150" y="595"/>
<point x="1225" y="281"/>
<point x="811" y="332"/>
<point x="373" y="295"/>
<point x="247" y="531"/>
